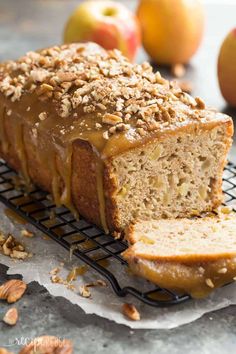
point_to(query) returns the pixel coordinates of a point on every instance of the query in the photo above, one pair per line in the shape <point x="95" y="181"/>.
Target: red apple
<point x="107" y="23"/>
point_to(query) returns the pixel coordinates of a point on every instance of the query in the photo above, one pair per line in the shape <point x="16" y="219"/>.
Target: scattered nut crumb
<point x="11" y="316"/>
<point x="101" y="282"/>
<point x="27" y="233"/>
<point x="54" y="271"/>
<point x="12" y="248"/>
<point x="84" y="291"/>
<point x="210" y="283"/>
<point x="56" y="279"/>
<point x="130" y="311"/>
<point x="178" y="70"/>
<point x="48" y="345"/>
<point x="12" y="290"/>
<point x="98" y="282"/>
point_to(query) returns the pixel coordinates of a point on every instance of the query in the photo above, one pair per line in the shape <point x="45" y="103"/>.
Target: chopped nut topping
<point x="80" y="79"/>
<point x="130" y="311"/>
<point x="42" y="115"/>
<point x="111" y="119"/>
<point x="105" y="135"/>
<point x="200" y="103"/>
<point x="12" y="290"/>
<point x="210" y="283"/>
<point x="222" y="271"/>
<point x="48" y="345"/>
<point x="11" y="316"/>
<point x="186" y="86"/>
<point x="201" y="270"/>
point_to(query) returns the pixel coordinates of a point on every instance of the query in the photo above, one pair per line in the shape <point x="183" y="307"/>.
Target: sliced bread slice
<point x="187" y="255"/>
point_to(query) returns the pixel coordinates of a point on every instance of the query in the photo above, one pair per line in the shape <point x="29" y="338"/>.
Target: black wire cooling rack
<point x="87" y="242"/>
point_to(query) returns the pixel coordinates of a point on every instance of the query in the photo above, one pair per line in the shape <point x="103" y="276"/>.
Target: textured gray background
<point x="26" y="25"/>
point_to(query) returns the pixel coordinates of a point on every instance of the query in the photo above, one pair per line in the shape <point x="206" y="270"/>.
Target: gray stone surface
<point x="26" y="25"/>
<point x="41" y="313"/>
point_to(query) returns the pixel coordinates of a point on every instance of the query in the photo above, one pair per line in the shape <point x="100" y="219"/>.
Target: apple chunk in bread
<point x="176" y="175"/>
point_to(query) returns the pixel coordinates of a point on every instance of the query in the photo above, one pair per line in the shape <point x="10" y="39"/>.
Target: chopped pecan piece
<point x="111" y="119"/>
<point x="12" y="290"/>
<point x="11" y="316"/>
<point x="130" y="311"/>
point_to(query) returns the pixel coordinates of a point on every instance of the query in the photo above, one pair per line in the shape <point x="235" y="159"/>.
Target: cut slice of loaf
<point x="188" y="255"/>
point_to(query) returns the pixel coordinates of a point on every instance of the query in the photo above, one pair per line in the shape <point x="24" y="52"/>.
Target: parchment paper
<point x="47" y="255"/>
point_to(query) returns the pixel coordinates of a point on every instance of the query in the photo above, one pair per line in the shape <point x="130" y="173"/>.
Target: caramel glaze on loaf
<point x="65" y="112"/>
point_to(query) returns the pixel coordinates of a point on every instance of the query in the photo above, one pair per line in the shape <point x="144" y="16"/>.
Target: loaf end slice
<point x="193" y="256"/>
<point x="178" y="174"/>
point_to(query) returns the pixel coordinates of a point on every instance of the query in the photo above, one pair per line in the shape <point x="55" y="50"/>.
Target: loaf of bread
<point x="186" y="255"/>
<point x="109" y="139"/>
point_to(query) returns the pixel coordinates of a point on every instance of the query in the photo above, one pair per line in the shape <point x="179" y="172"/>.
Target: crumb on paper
<point x="11" y="316"/>
<point x="84" y="291"/>
<point x="27" y="233"/>
<point x="54" y="271"/>
<point x="12" y="248"/>
<point x="130" y="311"/>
